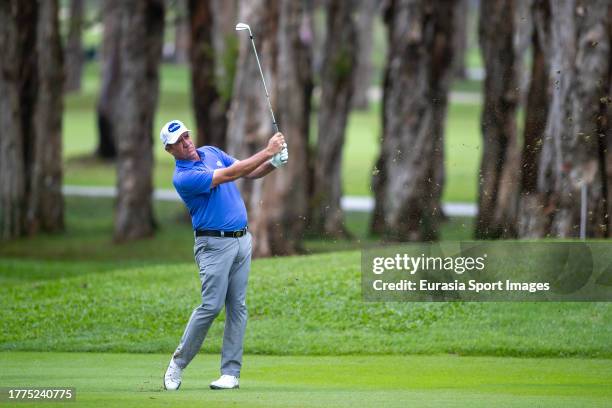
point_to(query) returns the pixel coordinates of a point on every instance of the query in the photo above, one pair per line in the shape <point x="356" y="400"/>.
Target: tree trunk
<point x="181" y="32"/>
<point x="31" y="81"/>
<point x="573" y="150"/>
<point x="47" y="171"/>
<point x="74" y="48"/>
<point x="284" y="202"/>
<point x="498" y="181"/>
<point x="524" y="18"/>
<point x="379" y="176"/>
<point x="110" y="86"/>
<point x="225" y="40"/>
<point x="419" y="71"/>
<point x="278" y="203"/>
<point x="28" y="13"/>
<point x="225" y="17"/>
<point x="12" y="166"/>
<point x="379" y="180"/>
<point x="208" y="104"/>
<point x="531" y="206"/>
<point x="367" y="12"/>
<point x="142" y="22"/>
<point x="249" y="123"/>
<point x="607" y="113"/>
<point x="461" y="39"/>
<point x="337" y="84"/>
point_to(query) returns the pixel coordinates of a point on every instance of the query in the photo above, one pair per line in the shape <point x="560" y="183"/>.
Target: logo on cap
<point x="173" y="127"/>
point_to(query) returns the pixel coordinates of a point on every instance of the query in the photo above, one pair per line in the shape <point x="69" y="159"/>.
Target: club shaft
<point x="263" y="81"/>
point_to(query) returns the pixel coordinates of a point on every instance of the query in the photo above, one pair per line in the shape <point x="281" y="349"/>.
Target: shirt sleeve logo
<point x="173" y="127"/>
<point x="219" y="164"/>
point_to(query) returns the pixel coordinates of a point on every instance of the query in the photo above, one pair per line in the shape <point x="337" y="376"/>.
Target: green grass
<point x="360" y="153"/>
<point x="127" y="380"/>
<point x="462" y="160"/>
<point x="298" y="305"/>
<point x="79" y="291"/>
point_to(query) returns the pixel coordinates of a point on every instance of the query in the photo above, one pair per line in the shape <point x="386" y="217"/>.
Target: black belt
<point x="225" y="234"/>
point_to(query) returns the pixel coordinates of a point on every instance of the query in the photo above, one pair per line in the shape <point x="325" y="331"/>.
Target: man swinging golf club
<point x="204" y="178"/>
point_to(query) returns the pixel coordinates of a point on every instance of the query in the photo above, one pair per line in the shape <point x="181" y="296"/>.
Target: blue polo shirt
<point x="218" y="208"/>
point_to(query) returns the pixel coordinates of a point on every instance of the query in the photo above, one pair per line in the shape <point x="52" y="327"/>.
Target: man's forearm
<point x="247" y="166"/>
<point x="261" y="171"/>
<point x="240" y="168"/>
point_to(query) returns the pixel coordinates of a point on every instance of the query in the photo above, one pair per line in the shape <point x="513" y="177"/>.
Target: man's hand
<point x="276" y="144"/>
<point x="280" y="159"/>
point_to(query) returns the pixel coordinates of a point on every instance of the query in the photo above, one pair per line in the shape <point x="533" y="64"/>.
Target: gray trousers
<point x="224" y="272"/>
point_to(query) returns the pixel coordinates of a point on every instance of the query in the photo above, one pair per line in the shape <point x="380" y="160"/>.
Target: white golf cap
<point x="171" y="132"/>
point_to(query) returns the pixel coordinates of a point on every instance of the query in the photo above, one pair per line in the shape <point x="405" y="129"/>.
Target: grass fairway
<point x="134" y="380"/>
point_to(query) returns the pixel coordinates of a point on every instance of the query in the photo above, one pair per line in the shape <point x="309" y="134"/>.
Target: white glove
<point x="281" y="158"/>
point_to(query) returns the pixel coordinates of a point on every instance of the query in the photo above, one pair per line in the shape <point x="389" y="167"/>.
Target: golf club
<point x="242" y="27"/>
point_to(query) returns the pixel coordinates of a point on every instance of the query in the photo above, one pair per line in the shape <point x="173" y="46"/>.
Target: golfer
<point x="204" y="178"/>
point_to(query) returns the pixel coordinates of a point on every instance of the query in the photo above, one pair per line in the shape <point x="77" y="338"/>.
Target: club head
<point x="242" y="26"/>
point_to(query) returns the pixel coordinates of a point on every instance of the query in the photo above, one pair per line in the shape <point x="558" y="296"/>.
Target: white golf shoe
<point x="172" y="378"/>
<point x="225" y="382"/>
